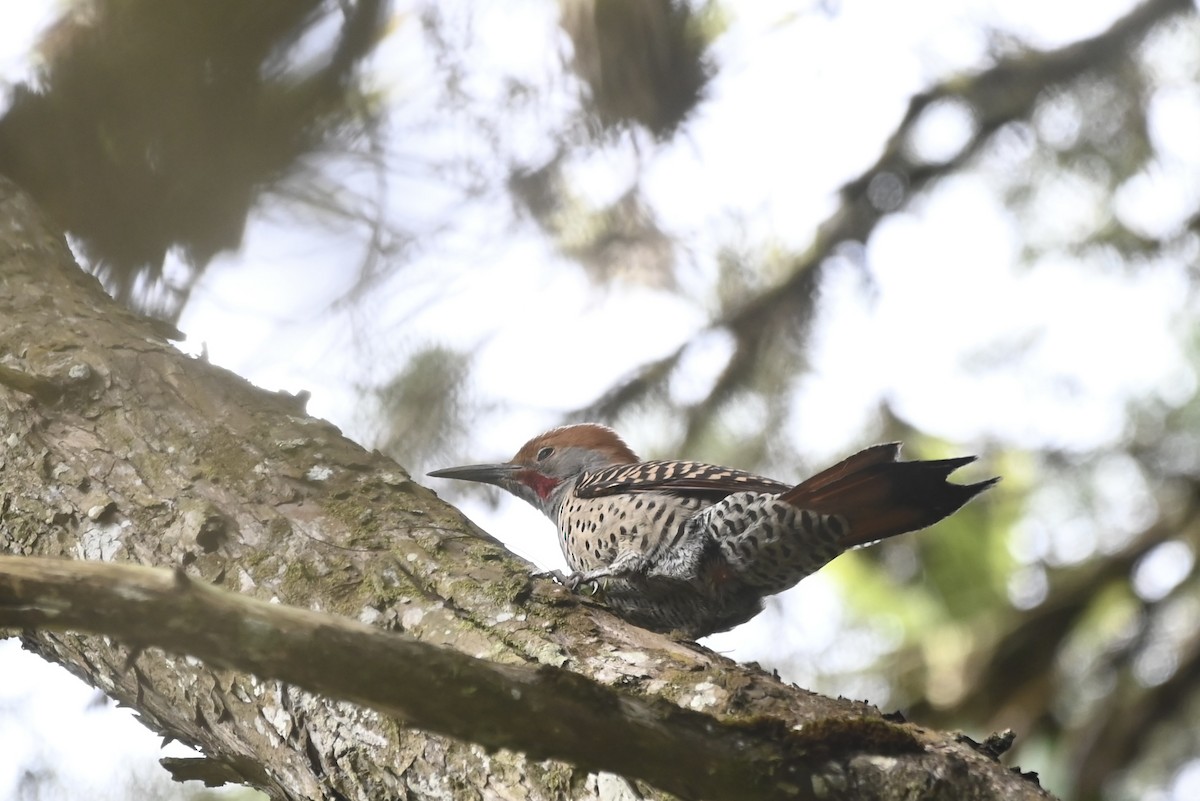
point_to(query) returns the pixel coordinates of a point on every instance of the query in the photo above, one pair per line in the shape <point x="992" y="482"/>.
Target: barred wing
<point x="685" y="479"/>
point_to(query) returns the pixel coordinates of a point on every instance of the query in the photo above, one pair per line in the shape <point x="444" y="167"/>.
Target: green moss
<point x="360" y="516"/>
<point x="251" y="560"/>
<point x="222" y="455"/>
<point x="831" y="736"/>
<point x="557" y="777"/>
<point x="387" y="586"/>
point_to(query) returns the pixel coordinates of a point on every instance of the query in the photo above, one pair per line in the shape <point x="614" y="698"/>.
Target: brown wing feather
<point x="837" y="475"/>
<point x="694" y="479"/>
<point x="879" y="497"/>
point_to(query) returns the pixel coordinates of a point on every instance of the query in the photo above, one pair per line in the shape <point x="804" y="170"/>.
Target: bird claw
<point x="571" y="581"/>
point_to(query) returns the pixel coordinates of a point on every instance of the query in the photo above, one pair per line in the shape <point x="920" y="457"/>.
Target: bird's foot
<point x="572" y="581"/>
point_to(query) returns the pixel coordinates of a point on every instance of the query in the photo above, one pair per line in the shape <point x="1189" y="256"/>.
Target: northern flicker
<point x="694" y="548"/>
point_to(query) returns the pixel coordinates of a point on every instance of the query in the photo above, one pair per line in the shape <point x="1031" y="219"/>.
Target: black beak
<point x="497" y="474"/>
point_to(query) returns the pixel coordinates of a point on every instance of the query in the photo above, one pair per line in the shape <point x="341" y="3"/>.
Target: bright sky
<point x="943" y="273"/>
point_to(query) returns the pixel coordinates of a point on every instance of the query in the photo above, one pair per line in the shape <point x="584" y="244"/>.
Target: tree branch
<point x="436" y="688"/>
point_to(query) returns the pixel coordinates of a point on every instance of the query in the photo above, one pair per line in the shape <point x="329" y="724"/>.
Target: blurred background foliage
<point x="1063" y="606"/>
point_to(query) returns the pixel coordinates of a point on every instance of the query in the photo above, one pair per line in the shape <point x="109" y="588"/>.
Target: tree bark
<point x="119" y="450"/>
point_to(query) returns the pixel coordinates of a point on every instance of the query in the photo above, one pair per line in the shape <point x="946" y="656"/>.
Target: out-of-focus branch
<point x="157" y="125"/>
<point x="1007" y="92"/>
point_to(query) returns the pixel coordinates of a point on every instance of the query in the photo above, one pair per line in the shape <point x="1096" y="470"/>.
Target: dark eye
<point x="544" y="453"/>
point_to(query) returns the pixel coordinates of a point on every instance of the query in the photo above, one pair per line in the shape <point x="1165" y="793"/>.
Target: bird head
<point x="547" y="465"/>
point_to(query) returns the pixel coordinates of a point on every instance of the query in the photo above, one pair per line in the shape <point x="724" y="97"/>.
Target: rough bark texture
<point x="117" y="448"/>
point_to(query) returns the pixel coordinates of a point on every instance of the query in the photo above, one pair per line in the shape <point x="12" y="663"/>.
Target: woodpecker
<point x="692" y="548"/>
